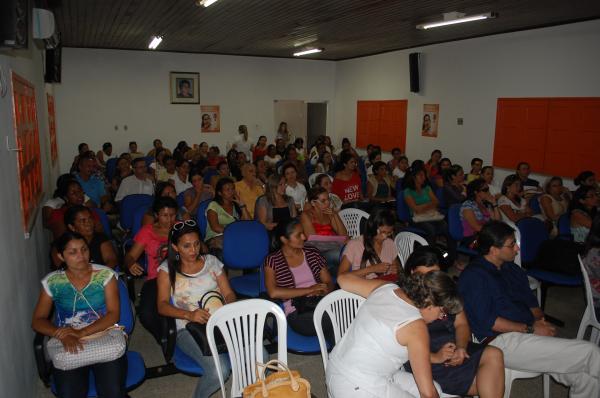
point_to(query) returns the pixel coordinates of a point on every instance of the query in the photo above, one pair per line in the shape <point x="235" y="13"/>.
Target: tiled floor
<point x="564" y="303"/>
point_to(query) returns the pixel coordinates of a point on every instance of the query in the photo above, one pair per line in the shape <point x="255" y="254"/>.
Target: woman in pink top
<point x="152" y="239"/>
<point x="346" y="183"/>
<point x="373" y="254"/>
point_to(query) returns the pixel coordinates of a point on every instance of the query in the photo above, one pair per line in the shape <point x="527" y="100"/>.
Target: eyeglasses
<point x="511" y="245"/>
<point x="180" y="224"/>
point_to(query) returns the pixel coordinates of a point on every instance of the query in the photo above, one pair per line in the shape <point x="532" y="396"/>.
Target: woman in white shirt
<point x="487" y="173"/>
<point x="181" y="179"/>
<point x="293" y="188"/>
<point x="390" y="329"/>
<point x="512" y="203"/>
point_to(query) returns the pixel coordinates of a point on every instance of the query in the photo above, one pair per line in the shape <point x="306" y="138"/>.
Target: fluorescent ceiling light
<point x="306" y="52"/>
<point x="206" y="3"/>
<point x="452" y="18"/>
<point x="155" y="42"/>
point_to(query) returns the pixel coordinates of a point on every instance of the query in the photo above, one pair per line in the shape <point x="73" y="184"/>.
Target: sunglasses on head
<point x="180" y="224"/>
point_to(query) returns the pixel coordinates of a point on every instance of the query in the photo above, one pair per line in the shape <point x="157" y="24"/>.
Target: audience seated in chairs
<point x="325" y="163"/>
<point x="476" y="169"/>
<point x="101" y="251"/>
<point x="487" y="173"/>
<point x="554" y="203"/>
<point x="432" y="166"/>
<point x="454" y="190"/>
<point x="374" y="253"/>
<point x="320" y="219"/>
<point x="138" y="183"/>
<point x="346" y="183"/>
<point x="262" y="170"/>
<point x="274" y="206"/>
<point x="165" y="189"/>
<point x="503" y="311"/>
<point x="249" y="188"/>
<point x="583" y="210"/>
<point x="260" y="149"/>
<point x="222" y="211"/>
<point x="72" y="195"/>
<point x="123" y="170"/>
<point x="479" y="208"/>
<point x="223" y="171"/>
<point x="291" y="157"/>
<point x="152" y="239"/>
<point x="390" y="329"/>
<point x="57" y="201"/>
<point x="325" y="181"/>
<point x="298" y="275"/>
<point x="196" y="194"/>
<point x="530" y="186"/>
<point x="591" y="261"/>
<point x="379" y="184"/>
<point x="181" y="178"/>
<point x="169" y="171"/>
<point x="460" y="366"/>
<point x="401" y="167"/>
<point x="92" y="184"/>
<point x="293" y="187"/>
<point x="512" y="203"/>
<point x="272" y="157"/>
<point x="586" y="178"/>
<point x="85" y="299"/>
<point x="183" y="279"/>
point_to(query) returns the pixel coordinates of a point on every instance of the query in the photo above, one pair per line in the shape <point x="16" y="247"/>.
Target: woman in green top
<point x="222" y="211"/>
<point x="423" y="207"/>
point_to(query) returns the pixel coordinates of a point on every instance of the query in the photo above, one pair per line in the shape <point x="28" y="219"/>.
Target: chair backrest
<point x="533" y="234"/>
<point x="245" y="244"/>
<point x="128" y="206"/>
<point x="242" y="324"/>
<point x="138" y="217"/>
<point x="534" y="204"/>
<point x="126" y="315"/>
<point x="439" y="194"/>
<point x="454" y="224"/>
<point x="201" y="216"/>
<point x="401" y="207"/>
<point x="517" y="259"/>
<point x="209" y="173"/>
<point x="564" y="225"/>
<point x="104" y="221"/>
<point x="149" y="160"/>
<point x="341" y="307"/>
<point x="405" y="244"/>
<point x="180" y="199"/>
<point x="111" y="168"/>
<point x="589" y="298"/>
<point x="351" y="219"/>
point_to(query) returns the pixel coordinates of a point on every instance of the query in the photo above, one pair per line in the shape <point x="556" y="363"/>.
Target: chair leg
<point x="543" y="294"/>
<point x="546" y="382"/>
<point x="508" y="379"/>
<point x="583" y="325"/>
<point x="595" y="335"/>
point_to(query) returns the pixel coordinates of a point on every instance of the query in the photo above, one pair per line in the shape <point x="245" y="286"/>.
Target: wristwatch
<point x="529" y="329"/>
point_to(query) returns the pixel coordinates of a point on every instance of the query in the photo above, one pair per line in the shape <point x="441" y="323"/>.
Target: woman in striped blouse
<point x="297" y="275"/>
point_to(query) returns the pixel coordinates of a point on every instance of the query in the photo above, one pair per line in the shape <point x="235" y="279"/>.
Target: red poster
<point x="27" y="143"/>
<point x="52" y="129"/>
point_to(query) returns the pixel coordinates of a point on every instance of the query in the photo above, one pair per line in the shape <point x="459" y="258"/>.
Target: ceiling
<point x="277" y="28"/>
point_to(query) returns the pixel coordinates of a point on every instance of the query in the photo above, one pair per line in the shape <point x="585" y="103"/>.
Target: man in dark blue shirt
<point x="503" y="311"/>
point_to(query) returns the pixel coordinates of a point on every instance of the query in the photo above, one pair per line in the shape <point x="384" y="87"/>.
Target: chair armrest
<point x="168" y="337"/>
<point x="44" y="366"/>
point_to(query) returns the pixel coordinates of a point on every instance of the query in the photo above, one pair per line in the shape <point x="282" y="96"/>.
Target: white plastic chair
<point x="241" y="325"/>
<point x="341" y="307"/>
<point x="589" y="316"/>
<point x="534" y="284"/>
<point x="511" y="375"/>
<point x="405" y="243"/>
<point x="351" y="219"/>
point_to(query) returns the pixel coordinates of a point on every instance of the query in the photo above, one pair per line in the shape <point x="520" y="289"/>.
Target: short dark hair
<point x="473" y="187"/>
<point x="581" y="177"/>
<point x="81" y="146"/>
<point x="493" y="234"/>
<point x="452" y="171"/>
<point x="72" y="212"/>
<point x="522" y="164"/>
<point x="137" y="160"/>
<point x="162" y="202"/>
<point x="396" y="149"/>
<point x="106" y="145"/>
<point x="132" y="143"/>
<point x="476" y="160"/>
<point x="427" y="256"/>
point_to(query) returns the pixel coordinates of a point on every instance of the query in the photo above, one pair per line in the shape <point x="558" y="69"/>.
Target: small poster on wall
<point x="431" y="114"/>
<point x="211" y="118"/>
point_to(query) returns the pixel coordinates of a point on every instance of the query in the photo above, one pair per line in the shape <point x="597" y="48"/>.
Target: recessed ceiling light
<point x="306" y="52"/>
<point x="155" y="42"/>
<point x="452" y="18"/>
<point x="205" y="3"/>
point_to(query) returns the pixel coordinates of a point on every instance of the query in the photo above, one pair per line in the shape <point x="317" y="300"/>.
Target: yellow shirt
<point x="472" y="177"/>
<point x="249" y="195"/>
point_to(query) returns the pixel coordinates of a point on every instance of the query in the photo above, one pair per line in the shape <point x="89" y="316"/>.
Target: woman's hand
<point x="320" y="289"/>
<point x="136" y="270"/>
<point x="271" y="225"/>
<point x="200" y="316"/>
<point x="381" y="268"/>
<point x="67" y="331"/>
<point x="459" y="356"/>
<point x="444" y="354"/>
<point x="71" y="344"/>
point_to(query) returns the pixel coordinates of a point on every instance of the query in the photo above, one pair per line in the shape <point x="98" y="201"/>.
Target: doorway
<point x="306" y="120"/>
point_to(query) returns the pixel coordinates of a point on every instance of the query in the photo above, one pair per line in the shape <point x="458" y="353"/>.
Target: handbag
<point x="431" y="215"/>
<point x="306" y="304"/>
<point x="103" y="346"/>
<point x="284" y="383"/>
<point x="210" y="301"/>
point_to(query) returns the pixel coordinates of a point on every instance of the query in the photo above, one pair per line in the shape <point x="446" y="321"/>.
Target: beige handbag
<point x="284" y="383"/>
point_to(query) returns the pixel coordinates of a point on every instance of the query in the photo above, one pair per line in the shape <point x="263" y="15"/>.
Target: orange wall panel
<point x="382" y="123"/>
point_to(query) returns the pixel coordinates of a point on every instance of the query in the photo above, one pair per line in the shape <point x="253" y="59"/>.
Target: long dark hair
<point x="579" y="195"/>
<point x="427" y="256"/>
<point x="60" y="244"/>
<point x="173" y="258"/>
<point x="219" y="188"/>
<point x="379" y="218"/>
<point x="284" y="229"/>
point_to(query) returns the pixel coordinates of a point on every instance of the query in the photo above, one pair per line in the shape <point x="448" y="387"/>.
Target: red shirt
<point x="348" y="191"/>
<point x="155" y="247"/>
<point x="258" y="152"/>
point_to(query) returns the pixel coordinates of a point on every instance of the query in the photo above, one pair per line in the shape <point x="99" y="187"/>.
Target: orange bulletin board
<point x="557" y="136"/>
<point x="27" y="143"/>
<point x="52" y="129"/>
<point x="381" y="123"/>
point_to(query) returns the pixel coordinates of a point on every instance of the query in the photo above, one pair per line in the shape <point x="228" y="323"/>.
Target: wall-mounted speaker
<point x="414" y="64"/>
<point x="53" y="65"/>
<point x="14" y="17"/>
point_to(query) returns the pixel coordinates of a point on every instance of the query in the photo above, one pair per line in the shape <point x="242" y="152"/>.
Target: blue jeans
<point x="209" y="382"/>
<point x="109" y="376"/>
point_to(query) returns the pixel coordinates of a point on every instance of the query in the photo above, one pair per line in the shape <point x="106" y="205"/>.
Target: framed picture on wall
<point x="184" y="87"/>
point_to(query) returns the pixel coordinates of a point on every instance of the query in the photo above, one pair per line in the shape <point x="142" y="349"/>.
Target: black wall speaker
<point x="414" y="63"/>
<point x="53" y="65"/>
<point x="14" y="17"/>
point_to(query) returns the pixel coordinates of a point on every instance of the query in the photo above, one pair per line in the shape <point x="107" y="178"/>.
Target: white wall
<point x="104" y="88"/>
<point x="466" y="78"/>
<point x="23" y="261"/>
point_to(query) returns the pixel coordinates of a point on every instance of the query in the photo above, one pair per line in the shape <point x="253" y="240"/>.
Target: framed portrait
<point x="185" y="87"/>
<point x="211" y="118"/>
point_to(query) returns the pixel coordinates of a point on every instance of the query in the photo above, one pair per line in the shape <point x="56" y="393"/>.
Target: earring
<point x="177" y="257"/>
